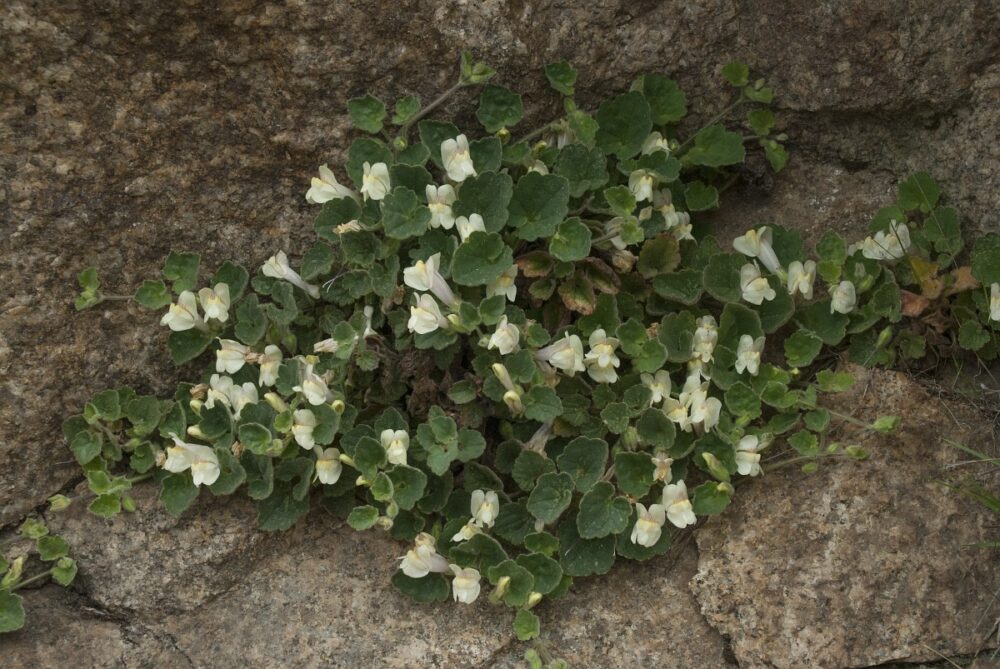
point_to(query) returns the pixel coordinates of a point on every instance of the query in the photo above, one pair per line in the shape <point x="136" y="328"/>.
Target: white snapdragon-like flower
<point x="424" y="276"/>
<point x="658" y="384"/>
<point x="215" y="302"/>
<point x="995" y="302"/>
<point x="484" y="505"/>
<point x="649" y="524"/>
<point x="375" y="181"/>
<point x="601" y="360"/>
<point x="889" y="244"/>
<point x="222" y="389"/>
<point x="539" y="166"/>
<point x="201" y="460"/>
<point x="328" y="345"/>
<point x="465" y="586"/>
<point x="565" y="354"/>
<point x="678" y="506"/>
<point x="396" y="443"/>
<point x="801" y="277"/>
<point x="504" y="284"/>
<point x="469" y="530"/>
<point x="757" y="244"/>
<point x="230" y="357"/>
<point x="748" y="354"/>
<point x="696" y="367"/>
<point x="313" y="387"/>
<point x="439" y="201"/>
<point x="467" y="225"/>
<point x="277" y="267"/>
<point x="661" y="464"/>
<point x="328" y="465"/>
<point x="368" y="312"/>
<point x="423" y="559"/>
<point x="505" y="338"/>
<point x="325" y="187"/>
<point x="303" y="424"/>
<point x="457" y="159"/>
<point x="706" y="335"/>
<point x="270" y="364"/>
<point x="654" y="142"/>
<point x="843" y="298"/>
<point x="677" y="411"/>
<point x="183" y="314"/>
<point x="240" y="396"/>
<point x="704" y="410"/>
<point x="641" y="183"/>
<point x="755" y="287"/>
<point x="426" y="316"/>
<point x="512" y="396"/>
<point x="611" y="228"/>
<point x="747" y="456"/>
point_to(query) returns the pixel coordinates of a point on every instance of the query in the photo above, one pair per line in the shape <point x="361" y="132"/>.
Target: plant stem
<point x="715" y="119"/>
<point x="802" y="458"/>
<point x="429" y="108"/>
<point x="29" y="581"/>
<point x="842" y="416"/>
<point x="115" y="298"/>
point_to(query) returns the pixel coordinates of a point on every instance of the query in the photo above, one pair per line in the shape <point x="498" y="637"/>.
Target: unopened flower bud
<point x="275" y="402"/>
<point x="384" y="523"/>
<point x="196" y="406"/>
<point x="399" y="143"/>
<point x="630" y="438"/>
<point x="128" y="503"/>
<point x="59" y="502"/>
<point x="195" y="431"/>
<point x="533" y="600"/>
<point x="338" y="406"/>
<point x="504" y="135"/>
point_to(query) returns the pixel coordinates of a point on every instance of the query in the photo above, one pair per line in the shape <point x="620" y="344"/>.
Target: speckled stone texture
<point x="129" y="128"/>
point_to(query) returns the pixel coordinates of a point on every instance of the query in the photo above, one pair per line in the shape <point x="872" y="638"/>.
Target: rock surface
<point x="131" y="128"/>
<point x="860" y="563"/>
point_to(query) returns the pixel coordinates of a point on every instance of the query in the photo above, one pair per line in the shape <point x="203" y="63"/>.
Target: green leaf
<point x="742" y="401"/>
<point x="251" y="323"/>
<point x="499" y="107"/>
<point x="616" y="416"/>
<point x="432" y="134"/>
<point x="721" y="277"/>
<point x="634" y="473"/>
<point x="521" y="581"/>
<point x="528" y="466"/>
<point x="481" y="259"/>
<point x="334" y="214"/>
<point x="187" y="345"/>
<point x="761" y="120"/>
<point x="986" y="259"/>
<point x="472" y="71"/>
<point x="571" y="241"/>
<point x="561" y="76"/>
<point x="817" y="420"/>
<point x="181" y="269"/>
<point x="408" y="485"/>
<point x="413" y="177"/>
<point x="406" y="108"/>
<point x="834" y="382"/>
<point x="11" y="612"/>
<point x="659" y="255"/>
<point x="584" y="458"/>
<point x="655" y="429"/>
<point x="362" y="517"/>
<point x="144" y="414"/>
<point x="667" y="102"/>
<point x="486" y="154"/>
<point x="539" y="204"/>
<point x="481" y="552"/>
<point x="256" y="437"/>
<point x="715" y="146"/>
<point x="153" y="294"/>
<point x="804" y="442"/>
<point x="677" y="334"/>
<point x="623" y="124"/>
<point x="487" y="194"/>
<point x="710" y="498"/>
<point x="736" y="73"/>
<point x="551" y="496"/>
<point x="972" y="336"/>
<point x="367" y="113"/>
<point x="106" y="506"/>
<point x="526" y="625"/>
<point x="64" y="572"/>
<point x="514" y="522"/>
<point x="52" y="548"/>
<point x="281" y="509"/>
<point x="177" y="493"/>
<point x="542" y="404"/>
<point x="700" y="197"/>
<point x="365" y="150"/>
<point x="546" y="571"/>
<point x="231" y="475"/>
<point x="943" y="230"/>
<point x="832" y="252"/>
<point x="802" y="348"/>
<point x="584" y="168"/>
<point x="86" y="446"/>
<point x="403" y="216"/>
<point x="317" y="261"/>
<point x="918" y="192"/>
<point x="602" y="512"/>
<point x="541" y="542"/>
<point x="233" y="275"/>
<point x="430" y="588"/>
<point x="583" y="557"/>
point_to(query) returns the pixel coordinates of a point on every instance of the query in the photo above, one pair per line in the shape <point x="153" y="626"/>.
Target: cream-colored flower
<point x="748" y="354"/>
<point x="313" y="387"/>
<point x="277" y="267"/>
<point x="469" y="530"/>
<point x="678" y="506"/>
<point x="183" y="314"/>
<point x="844" y="298"/>
<point x="755" y="287"/>
<point x="649" y="524"/>
<point x="485" y="505"/>
<point x="201" y="460"/>
<point x="801" y="277"/>
<point x="747" y="456"/>
<point x="655" y="142"/>
<point x="439" y="201"/>
<point x="375" y="181"/>
<point x="457" y="158"/>
<point x="658" y="384"/>
<point x="326" y="187"/>
<point x="757" y="244"/>
<point x="424" y="276"/>
<point x="706" y="335"/>
<point x="303" y="424"/>
<point x="423" y="559"/>
<point x="215" y="302"/>
<point x="426" y="316"/>
<point x="467" y="225"/>
<point x="230" y="357"/>
<point x="539" y="166"/>
<point x="270" y="364"/>
<point x="565" y="354"/>
<point x="641" y="183"/>
<point x="465" y="586"/>
<point x="328" y="465"/>
<point x="396" y="444"/>
<point x="890" y="244"/>
<point x="601" y="360"/>
<point x="662" y="463"/>
<point x="504" y="284"/>
<point x="505" y="338"/>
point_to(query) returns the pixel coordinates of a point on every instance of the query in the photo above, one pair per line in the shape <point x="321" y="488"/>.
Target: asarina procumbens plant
<point x="522" y="357"/>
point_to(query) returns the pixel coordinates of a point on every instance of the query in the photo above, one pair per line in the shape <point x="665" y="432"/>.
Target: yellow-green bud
<point x="275" y="402"/>
<point x="533" y="600"/>
<point x="399" y="143"/>
<point x="196" y="406"/>
<point x="195" y="431"/>
<point x="338" y="406"/>
<point x="59" y="502"/>
<point x="384" y="523"/>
